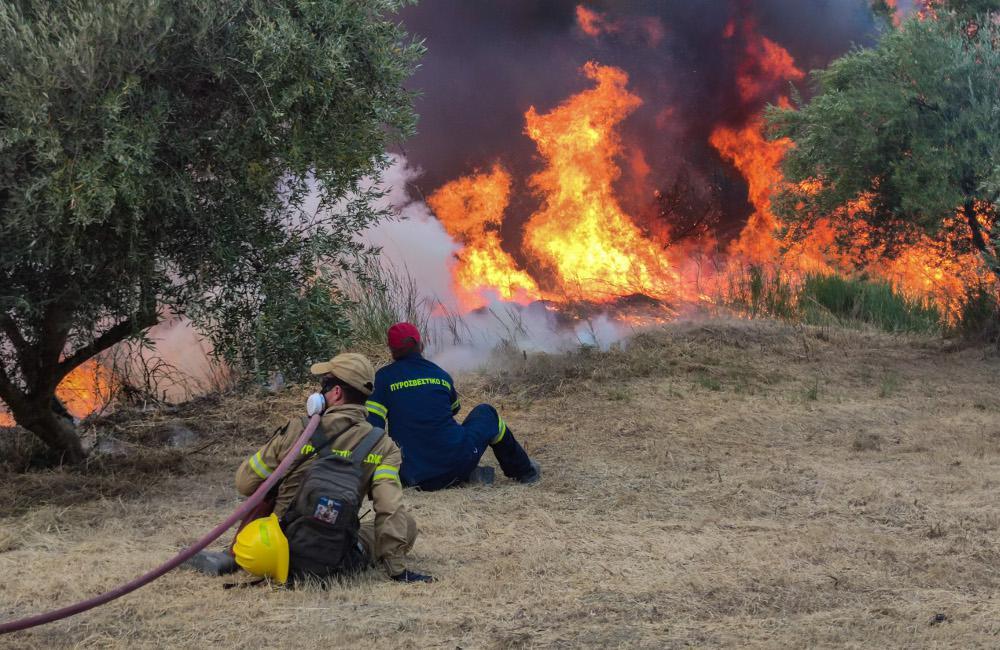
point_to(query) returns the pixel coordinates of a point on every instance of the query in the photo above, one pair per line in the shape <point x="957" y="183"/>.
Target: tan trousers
<point x="366" y="535"/>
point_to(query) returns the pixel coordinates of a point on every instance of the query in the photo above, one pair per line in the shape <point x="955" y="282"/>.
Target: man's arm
<point x="254" y="470"/>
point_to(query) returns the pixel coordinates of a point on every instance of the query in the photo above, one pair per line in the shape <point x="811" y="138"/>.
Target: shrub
<point x="760" y="292"/>
<point x="381" y="296"/>
<point x="979" y="320"/>
<point x="313" y="323"/>
<point x="865" y="301"/>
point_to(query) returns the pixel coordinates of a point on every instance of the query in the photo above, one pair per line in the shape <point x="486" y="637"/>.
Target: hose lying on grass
<point x="177" y="560"/>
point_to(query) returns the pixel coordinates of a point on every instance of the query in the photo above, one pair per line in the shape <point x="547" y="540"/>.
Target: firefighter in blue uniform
<point x="416" y="401"/>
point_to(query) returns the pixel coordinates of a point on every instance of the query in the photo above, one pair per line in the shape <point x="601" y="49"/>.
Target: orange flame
<point x="581" y="233"/>
<point x="590" y="22"/>
<point x="582" y="245"/>
<point x="764" y="67"/>
<point x="83" y="392"/>
<point x="757" y="160"/>
<point x="471" y="210"/>
<point x="896" y="17"/>
<point x="648" y="30"/>
<point x="934" y="269"/>
<point x="87" y="389"/>
<point x="929" y="269"/>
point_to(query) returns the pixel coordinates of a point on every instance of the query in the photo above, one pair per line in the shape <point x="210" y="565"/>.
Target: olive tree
<point x="912" y="125"/>
<point x="156" y="157"/>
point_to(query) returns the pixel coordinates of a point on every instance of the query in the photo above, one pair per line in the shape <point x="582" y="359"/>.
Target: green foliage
<point x="980" y="318"/>
<point x="888" y="385"/>
<point x="203" y="158"/>
<point x="969" y="9"/>
<point x="882" y="9"/>
<point x="912" y="124"/>
<point x="710" y="383"/>
<point x="294" y="327"/>
<point x="380" y="297"/>
<point x="865" y="301"/>
<point x="962" y="9"/>
<point x="760" y="291"/>
<point x="816" y="299"/>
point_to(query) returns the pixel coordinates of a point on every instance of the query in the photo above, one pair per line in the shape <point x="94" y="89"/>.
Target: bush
<point x="380" y="296"/>
<point x="760" y="292"/>
<point x="865" y="301"/>
<point x="312" y="324"/>
<point x="979" y="320"/>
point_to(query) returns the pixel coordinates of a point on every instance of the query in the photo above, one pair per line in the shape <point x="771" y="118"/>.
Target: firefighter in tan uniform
<point x="347" y="380"/>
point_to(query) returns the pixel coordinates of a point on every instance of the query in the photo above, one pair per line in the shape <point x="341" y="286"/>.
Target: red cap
<point x="400" y="336"/>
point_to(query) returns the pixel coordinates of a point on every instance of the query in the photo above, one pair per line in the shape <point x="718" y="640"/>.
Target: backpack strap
<point x="359" y="453"/>
<point x="320" y="444"/>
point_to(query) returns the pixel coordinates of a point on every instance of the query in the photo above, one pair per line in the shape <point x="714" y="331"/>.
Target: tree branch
<point x="54" y="330"/>
<point x="10" y="328"/>
<point x="977" y="229"/>
<point x="978" y="240"/>
<point x="8" y="391"/>
<point x="116" y="334"/>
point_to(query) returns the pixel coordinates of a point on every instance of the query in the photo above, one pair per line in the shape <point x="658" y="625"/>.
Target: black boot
<point x="481" y="476"/>
<point x="533" y="476"/>
<point x="512" y="457"/>
<point x="213" y="563"/>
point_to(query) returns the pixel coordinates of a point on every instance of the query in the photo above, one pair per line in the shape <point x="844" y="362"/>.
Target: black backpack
<point x="322" y="523"/>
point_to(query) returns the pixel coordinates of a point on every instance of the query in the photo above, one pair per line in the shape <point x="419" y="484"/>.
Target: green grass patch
<point x="711" y="383"/>
<point x="812" y="393"/>
<point x="827" y="299"/>
<point x="865" y="301"/>
<point x="382" y="296"/>
<point x="761" y="292"/>
<point x="889" y="385"/>
<point x="979" y="320"/>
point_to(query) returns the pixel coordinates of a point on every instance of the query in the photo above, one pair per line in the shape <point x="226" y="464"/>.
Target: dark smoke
<point x="489" y="60"/>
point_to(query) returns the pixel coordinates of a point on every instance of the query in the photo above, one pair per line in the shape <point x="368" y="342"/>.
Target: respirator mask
<point x="316" y="403"/>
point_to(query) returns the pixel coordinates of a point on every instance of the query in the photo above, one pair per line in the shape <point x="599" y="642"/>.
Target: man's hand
<point x="410" y="576"/>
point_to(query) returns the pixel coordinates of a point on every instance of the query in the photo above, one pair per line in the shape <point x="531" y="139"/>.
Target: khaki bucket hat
<point x="352" y="368"/>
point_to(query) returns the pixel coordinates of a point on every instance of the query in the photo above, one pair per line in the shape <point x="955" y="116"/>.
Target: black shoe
<point x="482" y="476"/>
<point x="533" y="476"/>
<point x="213" y="563"/>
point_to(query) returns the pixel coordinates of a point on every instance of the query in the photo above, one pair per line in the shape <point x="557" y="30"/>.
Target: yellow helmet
<point x="262" y="549"/>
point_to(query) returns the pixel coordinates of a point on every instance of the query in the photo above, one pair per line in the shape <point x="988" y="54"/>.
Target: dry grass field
<point x="712" y="484"/>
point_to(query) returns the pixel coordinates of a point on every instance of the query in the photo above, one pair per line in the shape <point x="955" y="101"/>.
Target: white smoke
<point x="418" y="244"/>
<point x="179" y="364"/>
<point x="414" y="241"/>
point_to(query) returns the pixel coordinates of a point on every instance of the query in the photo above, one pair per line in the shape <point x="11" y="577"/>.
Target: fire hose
<point x="177" y="560"/>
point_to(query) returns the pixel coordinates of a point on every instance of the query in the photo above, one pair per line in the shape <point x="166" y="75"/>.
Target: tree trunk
<point x="44" y="363"/>
<point x="978" y="240"/>
<point x="54" y="430"/>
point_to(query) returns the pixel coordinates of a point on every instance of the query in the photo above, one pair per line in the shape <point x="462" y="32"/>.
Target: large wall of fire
<point x="653" y="159"/>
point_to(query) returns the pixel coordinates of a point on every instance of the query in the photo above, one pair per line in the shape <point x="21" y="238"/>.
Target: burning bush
<point x="896" y="151"/>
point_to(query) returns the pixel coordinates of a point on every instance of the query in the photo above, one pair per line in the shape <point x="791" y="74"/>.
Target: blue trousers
<point x="484" y="428"/>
